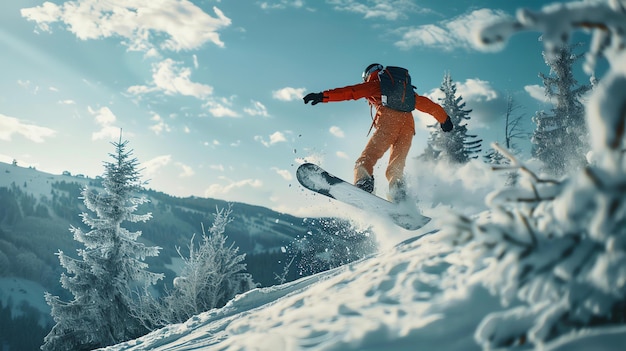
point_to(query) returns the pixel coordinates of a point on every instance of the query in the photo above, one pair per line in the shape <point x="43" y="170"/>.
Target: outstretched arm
<point x="350" y="92"/>
<point x="426" y="105"/>
<point x="353" y="92"/>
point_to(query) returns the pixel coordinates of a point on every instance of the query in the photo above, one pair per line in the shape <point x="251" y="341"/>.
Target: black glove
<point x="447" y="125"/>
<point x="315" y="98"/>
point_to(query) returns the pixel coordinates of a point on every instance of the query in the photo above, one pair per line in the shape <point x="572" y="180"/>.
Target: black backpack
<point x="396" y="89"/>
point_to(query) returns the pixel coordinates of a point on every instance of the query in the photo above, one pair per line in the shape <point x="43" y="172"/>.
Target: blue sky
<point x="209" y="92"/>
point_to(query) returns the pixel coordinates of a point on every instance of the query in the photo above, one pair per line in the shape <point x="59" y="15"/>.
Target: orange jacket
<point x="371" y="91"/>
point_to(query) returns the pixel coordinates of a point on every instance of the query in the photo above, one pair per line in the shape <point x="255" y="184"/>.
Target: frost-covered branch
<point x="562" y="253"/>
<point x="282" y="278"/>
<point x="213" y="273"/>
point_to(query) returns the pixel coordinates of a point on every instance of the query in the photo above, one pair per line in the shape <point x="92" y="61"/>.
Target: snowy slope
<point x="392" y="299"/>
<point x="37" y="182"/>
<point x="415" y="296"/>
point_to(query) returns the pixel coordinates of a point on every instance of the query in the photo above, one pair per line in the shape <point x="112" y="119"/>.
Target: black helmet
<point x="370" y="69"/>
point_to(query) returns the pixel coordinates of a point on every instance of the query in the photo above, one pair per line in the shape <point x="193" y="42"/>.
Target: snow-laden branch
<point x="556" y="22"/>
<point x="559" y="247"/>
<point x="606" y="21"/>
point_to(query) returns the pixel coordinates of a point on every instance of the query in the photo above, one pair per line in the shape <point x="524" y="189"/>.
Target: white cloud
<point x="281" y="4"/>
<point x="140" y="22"/>
<point x="152" y="167"/>
<point x="169" y="77"/>
<point x="487" y="104"/>
<point x="67" y="102"/>
<point x="537" y="92"/>
<point x="105" y="119"/>
<point x="24" y="83"/>
<point x="471" y="89"/>
<point x="187" y="171"/>
<point x="387" y="9"/>
<point x="221" y="108"/>
<point x="276" y="137"/>
<point x="427" y="35"/>
<point x="459" y="32"/>
<point x="107" y="132"/>
<point x="256" y="109"/>
<point x="103" y="116"/>
<point x="336" y="131"/>
<point x="284" y="173"/>
<point x="315" y="157"/>
<point x="160" y="126"/>
<point x="11" y="125"/>
<point x="217" y="167"/>
<point x="28" y="85"/>
<point x="219" y="190"/>
<point x="342" y="154"/>
<point x="477" y="90"/>
<point x="152" y="53"/>
<point x="288" y="94"/>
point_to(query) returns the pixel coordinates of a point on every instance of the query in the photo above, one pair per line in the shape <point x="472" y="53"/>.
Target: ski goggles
<point x="371" y="69"/>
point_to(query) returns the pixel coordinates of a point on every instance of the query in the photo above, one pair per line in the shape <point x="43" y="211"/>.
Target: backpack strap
<point x="389" y="74"/>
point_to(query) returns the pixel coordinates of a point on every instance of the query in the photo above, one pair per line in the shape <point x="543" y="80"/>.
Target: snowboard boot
<point x="363" y="180"/>
<point x="366" y="184"/>
<point x="397" y="191"/>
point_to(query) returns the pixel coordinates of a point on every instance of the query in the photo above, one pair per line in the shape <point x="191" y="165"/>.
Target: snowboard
<point x="320" y="181"/>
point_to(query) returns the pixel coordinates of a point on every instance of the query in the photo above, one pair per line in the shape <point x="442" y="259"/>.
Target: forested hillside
<point x="37" y="210"/>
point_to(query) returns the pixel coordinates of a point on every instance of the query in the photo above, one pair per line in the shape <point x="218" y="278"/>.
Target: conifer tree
<point x="456" y="146"/>
<point x="110" y="267"/>
<point x="560" y="138"/>
<point x="212" y="275"/>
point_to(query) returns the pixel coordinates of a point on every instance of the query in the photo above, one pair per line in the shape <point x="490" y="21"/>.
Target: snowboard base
<point x="320" y="181"/>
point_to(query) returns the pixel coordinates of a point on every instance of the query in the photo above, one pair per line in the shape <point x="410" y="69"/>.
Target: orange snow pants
<point x="394" y="131"/>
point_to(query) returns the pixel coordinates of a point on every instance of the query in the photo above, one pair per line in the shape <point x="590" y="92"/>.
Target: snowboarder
<point x="394" y="130"/>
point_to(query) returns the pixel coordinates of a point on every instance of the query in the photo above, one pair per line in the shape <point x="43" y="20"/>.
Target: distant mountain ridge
<point x="254" y="228"/>
<point x="38" y="208"/>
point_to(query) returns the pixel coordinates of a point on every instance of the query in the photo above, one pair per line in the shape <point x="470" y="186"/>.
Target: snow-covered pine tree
<point x="560" y="137"/>
<point x="110" y="267"/>
<point x="456" y="146"/>
<point x="430" y="153"/>
<point x="494" y="157"/>
<point x="558" y="247"/>
<point x="212" y="275"/>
